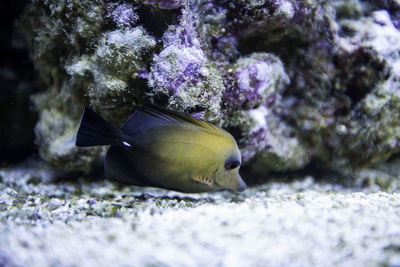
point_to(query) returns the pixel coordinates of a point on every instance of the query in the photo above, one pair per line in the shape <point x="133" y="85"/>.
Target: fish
<point x="166" y="149"/>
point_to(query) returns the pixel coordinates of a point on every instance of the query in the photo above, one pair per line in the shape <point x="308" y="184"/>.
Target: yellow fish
<point x="166" y="149"/>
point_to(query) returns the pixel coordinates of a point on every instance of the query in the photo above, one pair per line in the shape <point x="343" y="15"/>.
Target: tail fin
<point x="96" y="131"/>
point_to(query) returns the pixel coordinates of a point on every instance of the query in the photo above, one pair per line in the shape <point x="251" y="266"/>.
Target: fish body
<point x="167" y="149"/>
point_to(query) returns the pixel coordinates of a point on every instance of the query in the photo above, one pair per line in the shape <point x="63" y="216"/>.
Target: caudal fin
<point x="96" y="131"/>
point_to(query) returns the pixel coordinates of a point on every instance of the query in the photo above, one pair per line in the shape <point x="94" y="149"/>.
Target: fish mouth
<point x="242" y="188"/>
<point x="242" y="185"/>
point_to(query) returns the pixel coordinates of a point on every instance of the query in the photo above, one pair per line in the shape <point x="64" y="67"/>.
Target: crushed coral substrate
<point x="99" y="223"/>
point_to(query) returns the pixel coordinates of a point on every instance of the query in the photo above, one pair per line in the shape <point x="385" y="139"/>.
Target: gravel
<point x="86" y="222"/>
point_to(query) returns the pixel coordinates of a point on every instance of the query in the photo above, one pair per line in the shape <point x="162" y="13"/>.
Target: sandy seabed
<point x="99" y="223"/>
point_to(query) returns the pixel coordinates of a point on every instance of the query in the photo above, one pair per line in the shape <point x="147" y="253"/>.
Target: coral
<point x="296" y="82"/>
<point x="252" y="80"/>
<point x="368" y="73"/>
<point x="182" y="73"/>
<point x="83" y="64"/>
<point x="107" y="76"/>
<point x="123" y="14"/>
<point x="254" y="85"/>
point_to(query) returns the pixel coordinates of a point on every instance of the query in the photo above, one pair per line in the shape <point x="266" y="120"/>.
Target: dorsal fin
<point x="148" y="117"/>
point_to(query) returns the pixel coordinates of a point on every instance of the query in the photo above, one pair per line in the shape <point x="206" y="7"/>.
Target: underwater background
<point x="309" y="89"/>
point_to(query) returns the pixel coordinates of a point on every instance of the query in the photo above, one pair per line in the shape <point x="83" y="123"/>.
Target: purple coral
<point x="257" y="141"/>
<point x="253" y="80"/>
<point x="123" y="15"/>
<point x="187" y="69"/>
<point x="226" y="49"/>
<point x="180" y="63"/>
<point x="183" y="72"/>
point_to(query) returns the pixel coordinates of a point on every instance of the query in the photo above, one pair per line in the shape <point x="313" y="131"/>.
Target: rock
<point x="296" y="83"/>
<point x="88" y="67"/>
<point x="182" y="74"/>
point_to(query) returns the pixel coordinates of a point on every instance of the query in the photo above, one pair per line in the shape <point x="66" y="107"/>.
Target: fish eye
<point x="231" y="164"/>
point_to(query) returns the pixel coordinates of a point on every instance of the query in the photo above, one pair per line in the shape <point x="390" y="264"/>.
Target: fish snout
<point x="241" y="189"/>
<point x="241" y="185"/>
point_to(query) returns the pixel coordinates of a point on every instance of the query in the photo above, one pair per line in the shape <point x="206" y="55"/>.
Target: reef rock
<point x="294" y="81"/>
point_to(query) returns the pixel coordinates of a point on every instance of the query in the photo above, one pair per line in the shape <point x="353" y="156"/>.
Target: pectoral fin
<point x="203" y="179"/>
